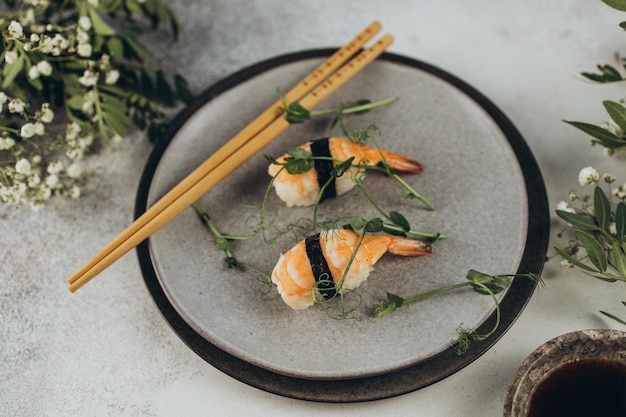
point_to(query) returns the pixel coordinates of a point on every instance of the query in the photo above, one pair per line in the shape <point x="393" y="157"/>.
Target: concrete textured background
<point x="106" y="351"/>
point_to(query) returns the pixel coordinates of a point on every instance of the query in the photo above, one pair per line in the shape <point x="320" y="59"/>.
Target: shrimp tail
<point x="403" y="163"/>
<point x="409" y="247"/>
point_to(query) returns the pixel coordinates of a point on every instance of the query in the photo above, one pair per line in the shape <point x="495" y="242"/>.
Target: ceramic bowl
<point x="574" y="370"/>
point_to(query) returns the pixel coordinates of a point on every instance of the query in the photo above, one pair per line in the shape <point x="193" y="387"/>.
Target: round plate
<point x="491" y="204"/>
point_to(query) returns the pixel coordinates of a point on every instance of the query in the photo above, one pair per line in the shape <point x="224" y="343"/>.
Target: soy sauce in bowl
<point x="588" y="387"/>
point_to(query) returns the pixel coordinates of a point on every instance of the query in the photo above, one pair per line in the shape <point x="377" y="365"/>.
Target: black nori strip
<point x="319" y="266"/>
<point x="323" y="167"/>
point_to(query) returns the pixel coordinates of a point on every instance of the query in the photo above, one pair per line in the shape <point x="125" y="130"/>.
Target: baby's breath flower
<point x="3" y="98"/>
<point x="84" y="50"/>
<point x="16" y="105"/>
<point x="34" y="181"/>
<point x="28" y="130"/>
<point x="84" y="22"/>
<point x="47" y="115"/>
<point x="10" y="57"/>
<point x="608" y="178"/>
<point x="23" y="166"/>
<point x="74" y="153"/>
<point x="33" y="73"/>
<point x="72" y="130"/>
<point x="6" y="143"/>
<point x="34" y="38"/>
<point x="75" y="170"/>
<point x="40" y="129"/>
<point x="54" y="167"/>
<point x="75" y="191"/>
<point x="89" y="78"/>
<point x="563" y="206"/>
<point x="85" y="141"/>
<point x="588" y="176"/>
<point x="112" y="77"/>
<point x="52" y="180"/>
<point x="15" y="29"/>
<point x="566" y="265"/>
<point x="44" y="68"/>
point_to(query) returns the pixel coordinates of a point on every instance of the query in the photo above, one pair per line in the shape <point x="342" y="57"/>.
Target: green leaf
<point x="182" y="89"/>
<point x="163" y="91"/>
<point x="116" y="124"/>
<point x="620" y="259"/>
<point x="605" y="137"/>
<point x="577" y="220"/>
<point x="75" y="102"/>
<point x="100" y="27"/>
<point x="623" y="25"/>
<point x="574" y="261"/>
<point x="139" y="52"/>
<point x="602" y="208"/>
<point x="611" y="316"/>
<point x="11" y="71"/>
<point x="395" y="299"/>
<point x="356" y="222"/>
<point x="297" y="113"/>
<point x="617" y="113"/>
<point x="620" y="221"/>
<point x="594" y="249"/>
<point x="116" y="47"/>
<point x="340" y="169"/>
<point x="399" y="220"/>
<point x="374" y="226"/>
<point x="616" y="4"/>
<point x="299" y="161"/>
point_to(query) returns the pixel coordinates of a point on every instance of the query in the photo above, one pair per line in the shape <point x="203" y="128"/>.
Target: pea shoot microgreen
<point x="295" y="113"/>
<point x="481" y="283"/>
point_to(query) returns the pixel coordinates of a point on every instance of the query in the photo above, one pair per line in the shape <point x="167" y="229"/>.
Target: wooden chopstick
<point x="212" y="171"/>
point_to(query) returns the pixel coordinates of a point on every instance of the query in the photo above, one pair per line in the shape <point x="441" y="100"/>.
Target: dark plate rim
<point x="391" y="384"/>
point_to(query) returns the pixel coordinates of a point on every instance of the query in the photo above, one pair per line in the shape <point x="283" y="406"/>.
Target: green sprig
<point x="481" y="283"/>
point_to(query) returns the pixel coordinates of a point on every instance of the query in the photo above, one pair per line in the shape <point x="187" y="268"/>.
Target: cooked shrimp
<point x="317" y="264"/>
<point x="304" y="189"/>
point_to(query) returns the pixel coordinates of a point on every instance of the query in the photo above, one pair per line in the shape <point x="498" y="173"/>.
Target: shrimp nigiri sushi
<point x="304" y="189"/>
<point x="314" y="266"/>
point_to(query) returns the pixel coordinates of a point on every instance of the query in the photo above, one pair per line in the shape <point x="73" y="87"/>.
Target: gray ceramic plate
<point x="479" y="173"/>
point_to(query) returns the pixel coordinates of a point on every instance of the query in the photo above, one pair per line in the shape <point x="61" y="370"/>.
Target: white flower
<point x="47" y="115"/>
<point x="44" y="68"/>
<point x="567" y="265"/>
<point x="10" y="57"/>
<point x="28" y="130"/>
<point x="72" y="131"/>
<point x="74" y="153"/>
<point x="588" y="176"/>
<point x="6" y="143"/>
<point x="116" y="138"/>
<point x="52" y="180"/>
<point x="23" y="166"/>
<point x="33" y="73"/>
<point x="84" y="49"/>
<point x="84" y="22"/>
<point x="16" y="105"/>
<point x="34" y="180"/>
<point x="15" y="29"/>
<point x="75" y="191"/>
<point x="3" y="98"/>
<point x="563" y="206"/>
<point x="89" y="78"/>
<point x="112" y="77"/>
<point x="85" y="141"/>
<point x="40" y="129"/>
<point x="55" y="167"/>
<point x="34" y="38"/>
<point x="74" y="170"/>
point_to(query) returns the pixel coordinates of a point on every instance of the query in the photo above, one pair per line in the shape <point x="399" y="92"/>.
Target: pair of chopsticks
<point x="314" y="88"/>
